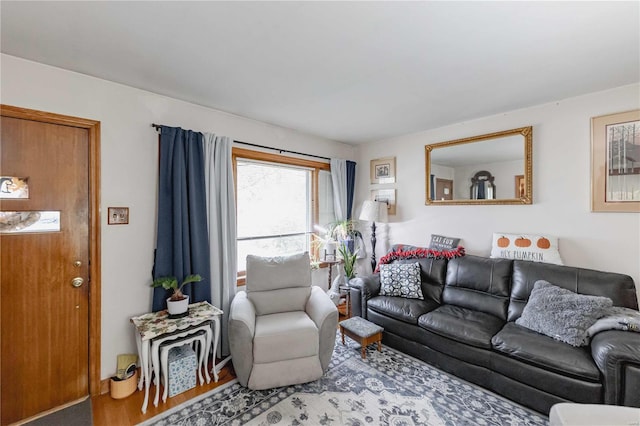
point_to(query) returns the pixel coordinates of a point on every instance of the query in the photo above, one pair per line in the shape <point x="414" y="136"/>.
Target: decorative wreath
<point x="420" y="253"/>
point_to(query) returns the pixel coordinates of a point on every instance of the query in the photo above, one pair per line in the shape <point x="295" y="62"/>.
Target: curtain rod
<point x="157" y="127"/>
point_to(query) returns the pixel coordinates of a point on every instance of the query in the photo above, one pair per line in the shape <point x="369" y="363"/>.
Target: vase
<point x="177" y="307"/>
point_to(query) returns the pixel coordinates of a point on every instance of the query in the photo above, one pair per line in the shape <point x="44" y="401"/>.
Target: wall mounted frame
<point x="383" y="170"/>
<point x="504" y="154"/>
<point x="615" y="162"/>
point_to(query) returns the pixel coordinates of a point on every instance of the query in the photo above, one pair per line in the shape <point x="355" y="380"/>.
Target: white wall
<point x="561" y="187"/>
<point x="129" y="172"/>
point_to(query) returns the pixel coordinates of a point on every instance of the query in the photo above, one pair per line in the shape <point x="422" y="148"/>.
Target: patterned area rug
<point x="388" y="388"/>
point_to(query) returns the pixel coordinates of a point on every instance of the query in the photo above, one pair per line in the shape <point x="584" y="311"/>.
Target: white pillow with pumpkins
<point x="536" y="248"/>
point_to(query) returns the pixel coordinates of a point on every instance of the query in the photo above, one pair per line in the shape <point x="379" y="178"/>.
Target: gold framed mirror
<point x="481" y="169"/>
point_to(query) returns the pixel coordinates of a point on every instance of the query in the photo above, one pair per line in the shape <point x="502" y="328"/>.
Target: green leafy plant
<point x="169" y="283"/>
<point x="349" y="260"/>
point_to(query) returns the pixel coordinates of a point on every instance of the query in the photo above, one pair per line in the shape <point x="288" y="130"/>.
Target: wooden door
<point x="444" y="189"/>
<point x="45" y="319"/>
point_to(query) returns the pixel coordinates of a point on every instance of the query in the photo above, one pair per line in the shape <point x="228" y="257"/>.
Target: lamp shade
<point x="374" y="211"/>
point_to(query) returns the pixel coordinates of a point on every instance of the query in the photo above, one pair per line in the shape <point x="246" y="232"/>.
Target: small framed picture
<point x="387" y="196"/>
<point x="118" y="215"/>
<point x="383" y="170"/>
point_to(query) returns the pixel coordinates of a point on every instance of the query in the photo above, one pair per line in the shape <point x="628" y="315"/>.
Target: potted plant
<point x="349" y="261"/>
<point x="178" y="303"/>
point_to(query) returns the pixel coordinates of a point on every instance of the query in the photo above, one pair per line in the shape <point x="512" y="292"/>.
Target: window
<point x="279" y="200"/>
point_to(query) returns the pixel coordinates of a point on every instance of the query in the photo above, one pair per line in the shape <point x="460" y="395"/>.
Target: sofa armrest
<point x="363" y="289"/>
<point x="617" y="355"/>
<point x="242" y="326"/>
<point x="324" y="314"/>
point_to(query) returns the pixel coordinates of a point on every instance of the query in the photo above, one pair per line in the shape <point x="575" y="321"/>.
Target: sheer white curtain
<point x="339" y="180"/>
<point x="221" y="211"/>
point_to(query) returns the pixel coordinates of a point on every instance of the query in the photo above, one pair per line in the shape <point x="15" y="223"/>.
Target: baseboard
<point x="104" y="386"/>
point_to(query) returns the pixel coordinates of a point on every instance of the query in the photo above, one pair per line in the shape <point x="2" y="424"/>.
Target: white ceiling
<point x="349" y="71"/>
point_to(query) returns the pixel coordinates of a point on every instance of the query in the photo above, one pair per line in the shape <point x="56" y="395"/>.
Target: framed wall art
<point x="383" y="170"/>
<point x="615" y="162"/>
<point x="118" y="216"/>
<point x="387" y="196"/>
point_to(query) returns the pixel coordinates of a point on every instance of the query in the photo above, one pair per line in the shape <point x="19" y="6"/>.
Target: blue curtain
<point x="351" y="185"/>
<point x="182" y="242"/>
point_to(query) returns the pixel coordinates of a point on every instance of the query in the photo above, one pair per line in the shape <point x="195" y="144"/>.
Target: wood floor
<point x="123" y="412"/>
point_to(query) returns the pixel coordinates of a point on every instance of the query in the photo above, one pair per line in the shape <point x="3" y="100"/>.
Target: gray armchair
<point x="282" y="329"/>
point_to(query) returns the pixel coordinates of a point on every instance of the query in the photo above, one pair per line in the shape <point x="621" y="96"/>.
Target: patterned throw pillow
<point x="401" y="279"/>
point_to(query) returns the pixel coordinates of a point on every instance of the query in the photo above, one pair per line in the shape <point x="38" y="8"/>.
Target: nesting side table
<point x="158" y="326"/>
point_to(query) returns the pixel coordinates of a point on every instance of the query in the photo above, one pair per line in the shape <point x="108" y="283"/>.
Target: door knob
<point x="77" y="282"/>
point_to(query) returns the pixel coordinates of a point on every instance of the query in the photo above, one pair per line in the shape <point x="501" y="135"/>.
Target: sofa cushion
<point x="545" y="352"/>
<point x="562" y="314"/>
<point x="465" y="325"/>
<point x="400" y="308"/>
<point x="617" y="287"/>
<point x="432" y="272"/>
<point x="284" y="336"/>
<point x="401" y="279"/>
<point x="479" y="284"/>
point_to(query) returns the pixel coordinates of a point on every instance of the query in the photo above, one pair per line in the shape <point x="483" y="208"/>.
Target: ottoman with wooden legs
<point x="363" y="332"/>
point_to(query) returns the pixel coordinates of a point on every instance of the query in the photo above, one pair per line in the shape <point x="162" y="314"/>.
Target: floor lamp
<point x="373" y="211"/>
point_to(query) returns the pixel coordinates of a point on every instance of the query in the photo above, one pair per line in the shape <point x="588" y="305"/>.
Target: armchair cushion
<point x="242" y="325"/>
<point x="283" y="336"/>
<point x="278" y="284"/>
<point x="324" y="314"/>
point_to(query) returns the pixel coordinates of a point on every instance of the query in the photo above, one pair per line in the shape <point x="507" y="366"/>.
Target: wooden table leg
<point x="342" y="333"/>
<point x="379" y="345"/>
<point x="363" y="350"/>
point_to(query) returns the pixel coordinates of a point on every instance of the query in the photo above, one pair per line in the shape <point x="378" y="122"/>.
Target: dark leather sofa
<point x="466" y="326"/>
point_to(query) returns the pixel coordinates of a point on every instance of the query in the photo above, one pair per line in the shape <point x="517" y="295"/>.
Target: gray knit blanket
<point x="616" y="318"/>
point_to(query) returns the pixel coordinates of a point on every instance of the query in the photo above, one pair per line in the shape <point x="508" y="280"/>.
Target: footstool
<point x="362" y="331"/>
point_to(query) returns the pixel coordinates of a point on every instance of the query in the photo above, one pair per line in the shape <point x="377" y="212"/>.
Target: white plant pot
<point x="176" y="307"/>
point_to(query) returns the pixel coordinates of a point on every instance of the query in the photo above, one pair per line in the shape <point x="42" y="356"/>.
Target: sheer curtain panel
<point x="222" y="226"/>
